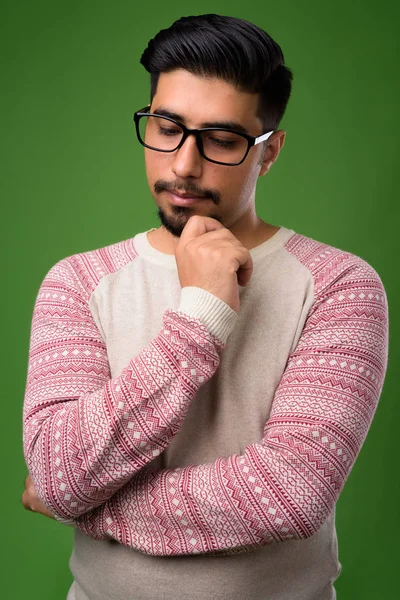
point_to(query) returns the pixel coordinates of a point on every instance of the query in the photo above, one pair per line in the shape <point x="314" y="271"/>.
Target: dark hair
<point x="233" y="49"/>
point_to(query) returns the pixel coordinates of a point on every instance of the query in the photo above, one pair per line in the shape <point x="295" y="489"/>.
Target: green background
<point x="73" y="179"/>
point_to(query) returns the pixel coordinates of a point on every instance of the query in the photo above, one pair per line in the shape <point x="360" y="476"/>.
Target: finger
<point x="197" y="226"/>
<point x="26" y="506"/>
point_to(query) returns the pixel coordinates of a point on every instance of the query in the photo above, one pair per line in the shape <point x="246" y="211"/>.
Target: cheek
<point x="252" y="173"/>
<point x="148" y="158"/>
<point x="151" y="166"/>
<point x="157" y="165"/>
<point x="239" y="179"/>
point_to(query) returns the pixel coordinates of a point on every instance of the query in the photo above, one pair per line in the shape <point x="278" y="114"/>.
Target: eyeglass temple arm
<point x="262" y="138"/>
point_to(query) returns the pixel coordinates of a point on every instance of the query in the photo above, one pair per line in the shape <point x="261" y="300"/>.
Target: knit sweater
<point x="199" y="452"/>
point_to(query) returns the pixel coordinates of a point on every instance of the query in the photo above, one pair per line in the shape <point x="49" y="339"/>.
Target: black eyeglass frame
<point x="251" y="140"/>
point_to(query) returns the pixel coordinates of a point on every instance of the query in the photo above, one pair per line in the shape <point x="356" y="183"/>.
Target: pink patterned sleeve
<point x="286" y="485"/>
<point x="86" y="434"/>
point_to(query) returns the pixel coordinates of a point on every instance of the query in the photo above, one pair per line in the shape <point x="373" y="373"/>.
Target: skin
<point x="232" y="189"/>
<point x="30" y="500"/>
<point x="199" y="100"/>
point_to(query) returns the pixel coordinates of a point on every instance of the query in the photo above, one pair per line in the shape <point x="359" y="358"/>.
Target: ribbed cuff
<point x="219" y="318"/>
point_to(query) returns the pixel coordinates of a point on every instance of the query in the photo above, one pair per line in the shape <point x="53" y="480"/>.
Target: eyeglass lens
<point x="219" y="145"/>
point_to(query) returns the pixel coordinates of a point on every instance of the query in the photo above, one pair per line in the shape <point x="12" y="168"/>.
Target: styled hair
<point x="232" y="49"/>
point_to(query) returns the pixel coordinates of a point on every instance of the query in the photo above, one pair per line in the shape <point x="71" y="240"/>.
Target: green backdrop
<point x="73" y="179"/>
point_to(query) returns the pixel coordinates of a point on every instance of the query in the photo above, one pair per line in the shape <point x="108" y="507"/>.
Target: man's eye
<point x="223" y="143"/>
<point x="168" y="131"/>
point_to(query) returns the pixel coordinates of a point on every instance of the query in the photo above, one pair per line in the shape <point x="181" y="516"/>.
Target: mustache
<point x="161" y="186"/>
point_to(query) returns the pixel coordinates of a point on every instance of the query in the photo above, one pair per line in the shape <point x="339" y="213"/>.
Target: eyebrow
<point x="164" y="112"/>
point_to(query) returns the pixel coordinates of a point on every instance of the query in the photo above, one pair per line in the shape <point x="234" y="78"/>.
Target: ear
<point x="275" y="144"/>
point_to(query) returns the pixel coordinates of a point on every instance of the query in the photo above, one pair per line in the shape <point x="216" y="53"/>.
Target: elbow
<point x="42" y="472"/>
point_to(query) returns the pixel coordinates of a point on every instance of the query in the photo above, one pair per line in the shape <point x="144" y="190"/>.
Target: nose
<point x="187" y="160"/>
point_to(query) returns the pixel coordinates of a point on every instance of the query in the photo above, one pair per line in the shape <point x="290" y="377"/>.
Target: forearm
<point x="286" y="485"/>
<point x="87" y="434"/>
<point x="232" y="504"/>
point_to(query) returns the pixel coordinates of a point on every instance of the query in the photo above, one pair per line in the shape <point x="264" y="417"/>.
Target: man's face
<point x="229" y="190"/>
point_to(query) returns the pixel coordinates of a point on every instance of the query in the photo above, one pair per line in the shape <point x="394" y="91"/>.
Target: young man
<point x="197" y="395"/>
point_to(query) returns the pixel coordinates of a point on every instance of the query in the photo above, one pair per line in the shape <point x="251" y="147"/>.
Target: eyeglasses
<point x="218" y="145"/>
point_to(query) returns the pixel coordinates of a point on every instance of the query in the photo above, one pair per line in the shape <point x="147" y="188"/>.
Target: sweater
<point x="199" y="452"/>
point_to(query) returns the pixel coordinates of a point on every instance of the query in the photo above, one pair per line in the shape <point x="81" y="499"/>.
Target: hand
<point x="30" y="500"/>
<point x="209" y="256"/>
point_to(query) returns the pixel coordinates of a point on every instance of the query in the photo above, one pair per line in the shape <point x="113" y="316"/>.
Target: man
<point x="197" y="395"/>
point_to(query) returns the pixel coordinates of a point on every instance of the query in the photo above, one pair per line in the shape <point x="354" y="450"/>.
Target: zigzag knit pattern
<point x="87" y="436"/>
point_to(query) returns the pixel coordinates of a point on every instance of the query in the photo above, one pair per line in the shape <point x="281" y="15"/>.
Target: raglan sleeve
<point x="286" y="485"/>
<point x="85" y="433"/>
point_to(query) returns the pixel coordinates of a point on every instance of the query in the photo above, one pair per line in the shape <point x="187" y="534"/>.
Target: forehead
<point x="199" y="99"/>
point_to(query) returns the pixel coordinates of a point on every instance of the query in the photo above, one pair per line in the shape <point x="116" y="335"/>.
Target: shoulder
<point x="81" y="273"/>
<point x="332" y="267"/>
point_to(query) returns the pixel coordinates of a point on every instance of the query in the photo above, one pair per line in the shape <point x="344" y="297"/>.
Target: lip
<point x="187" y="201"/>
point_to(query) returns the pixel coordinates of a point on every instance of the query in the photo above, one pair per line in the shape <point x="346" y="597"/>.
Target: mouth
<point x="185" y="199"/>
<point x="185" y="195"/>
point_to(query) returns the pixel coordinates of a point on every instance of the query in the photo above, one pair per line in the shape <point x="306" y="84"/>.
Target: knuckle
<point x="25" y="503"/>
<point x="214" y="252"/>
<point x="203" y="249"/>
<point x="218" y="254"/>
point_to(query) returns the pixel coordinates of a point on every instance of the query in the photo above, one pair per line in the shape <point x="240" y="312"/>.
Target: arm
<point x="286" y="485"/>
<point x="86" y="434"/>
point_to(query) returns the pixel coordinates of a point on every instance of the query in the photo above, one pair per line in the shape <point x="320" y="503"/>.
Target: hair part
<point x="232" y="49"/>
